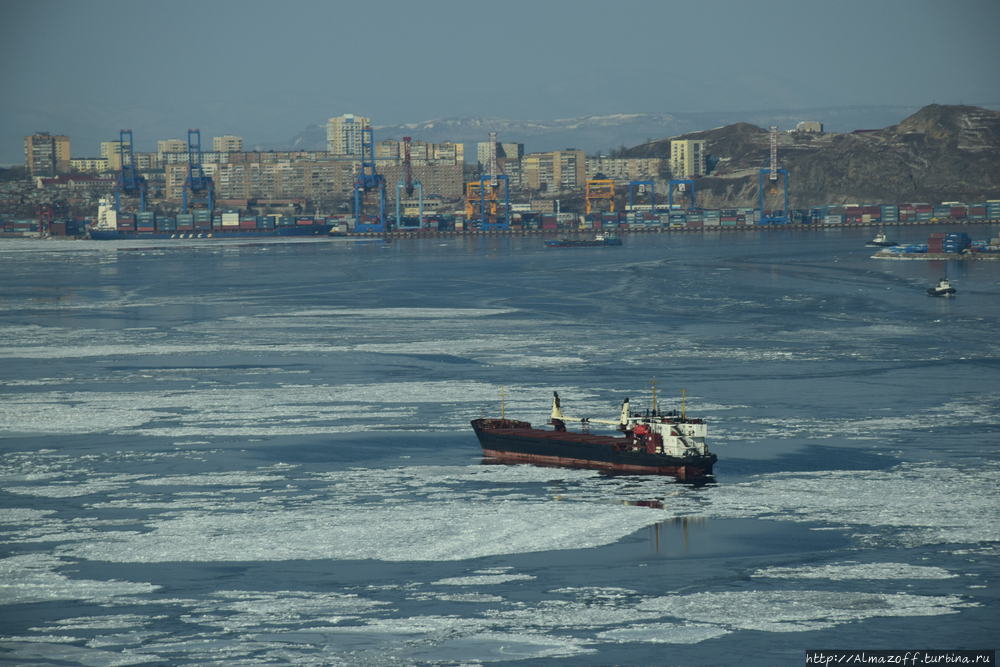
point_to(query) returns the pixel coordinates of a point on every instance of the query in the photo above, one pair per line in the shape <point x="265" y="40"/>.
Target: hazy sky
<point x="264" y="70"/>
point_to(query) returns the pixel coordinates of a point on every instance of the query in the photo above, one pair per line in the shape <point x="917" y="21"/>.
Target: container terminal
<point x="487" y="207"/>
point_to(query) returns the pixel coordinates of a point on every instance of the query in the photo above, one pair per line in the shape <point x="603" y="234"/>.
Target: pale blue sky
<point x="264" y="70"/>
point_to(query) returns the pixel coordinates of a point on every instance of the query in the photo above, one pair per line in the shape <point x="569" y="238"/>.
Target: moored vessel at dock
<point x="650" y="442"/>
<point x="599" y="240"/>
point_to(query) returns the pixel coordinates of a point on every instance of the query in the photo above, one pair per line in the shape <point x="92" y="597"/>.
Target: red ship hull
<point x="510" y="440"/>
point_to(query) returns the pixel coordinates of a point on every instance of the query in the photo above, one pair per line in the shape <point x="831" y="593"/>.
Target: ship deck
<point x="583" y="438"/>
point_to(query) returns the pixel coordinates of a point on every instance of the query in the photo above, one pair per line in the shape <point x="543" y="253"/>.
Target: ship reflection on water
<point x="668" y="479"/>
<point x="672" y="537"/>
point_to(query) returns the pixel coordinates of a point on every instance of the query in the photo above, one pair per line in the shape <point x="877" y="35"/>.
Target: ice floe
<point x="849" y="571"/>
<point x="33" y="578"/>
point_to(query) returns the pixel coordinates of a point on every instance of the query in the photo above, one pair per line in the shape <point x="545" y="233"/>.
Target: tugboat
<point x="651" y="442"/>
<point x="598" y="241"/>
<point x="943" y="288"/>
<point x="881" y="241"/>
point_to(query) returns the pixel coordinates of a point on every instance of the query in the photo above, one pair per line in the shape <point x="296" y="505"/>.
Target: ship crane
<point x="130" y="182"/>
<point x="198" y="186"/>
<point x="409" y="186"/>
<point x="772" y="174"/>
<point x="368" y="181"/>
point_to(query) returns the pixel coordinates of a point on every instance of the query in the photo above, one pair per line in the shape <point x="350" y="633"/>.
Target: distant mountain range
<point x="602" y="134"/>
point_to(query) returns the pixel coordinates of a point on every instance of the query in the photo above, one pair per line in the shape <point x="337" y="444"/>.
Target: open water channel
<point x="218" y="453"/>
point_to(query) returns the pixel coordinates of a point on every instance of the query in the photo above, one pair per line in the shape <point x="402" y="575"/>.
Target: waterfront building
<point x="227" y="144"/>
<point x="555" y="171"/>
<point x="89" y="165"/>
<point x="624" y="170"/>
<point x="47" y="154"/>
<point x="175" y="146"/>
<point x="343" y="134"/>
<point x="505" y="150"/>
<point x="687" y="158"/>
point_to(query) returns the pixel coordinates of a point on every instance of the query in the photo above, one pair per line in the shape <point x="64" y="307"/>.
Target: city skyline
<point x="245" y="69"/>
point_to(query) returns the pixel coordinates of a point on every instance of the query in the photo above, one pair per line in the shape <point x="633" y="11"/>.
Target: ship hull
<point x="582" y="244"/>
<point x="288" y="230"/>
<point x="524" y="444"/>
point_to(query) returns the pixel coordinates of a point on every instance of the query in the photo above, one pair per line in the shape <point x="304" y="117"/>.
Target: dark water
<point x="260" y="454"/>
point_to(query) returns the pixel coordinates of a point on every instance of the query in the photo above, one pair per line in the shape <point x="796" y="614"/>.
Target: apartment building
<point x="227" y="144"/>
<point x="555" y="171"/>
<point x="343" y="134"/>
<point x="687" y="158"/>
<point x="47" y="154"/>
<point x="624" y="170"/>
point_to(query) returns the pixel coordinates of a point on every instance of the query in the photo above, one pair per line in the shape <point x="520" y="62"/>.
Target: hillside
<point x="603" y="133"/>
<point x="940" y="153"/>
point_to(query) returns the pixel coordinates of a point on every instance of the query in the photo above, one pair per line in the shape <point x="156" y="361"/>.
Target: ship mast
<point x="653" y="384"/>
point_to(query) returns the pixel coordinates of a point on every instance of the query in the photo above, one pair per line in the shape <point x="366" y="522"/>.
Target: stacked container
<point x="185" y="222"/>
<point x="145" y="221"/>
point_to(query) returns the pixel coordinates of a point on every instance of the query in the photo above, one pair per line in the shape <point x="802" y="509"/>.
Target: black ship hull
<point x="511" y="440"/>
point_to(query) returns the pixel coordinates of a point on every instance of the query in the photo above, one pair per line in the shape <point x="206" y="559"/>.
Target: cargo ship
<point x="650" y="442"/>
<point x="202" y="224"/>
<point x="599" y="240"/>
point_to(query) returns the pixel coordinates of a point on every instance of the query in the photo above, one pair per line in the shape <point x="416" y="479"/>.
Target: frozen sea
<point x="260" y="453"/>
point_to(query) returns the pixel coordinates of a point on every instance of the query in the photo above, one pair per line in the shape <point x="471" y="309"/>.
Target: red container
<point x="248" y="224"/>
<point x="697" y="224"/>
<point x="958" y="211"/>
<point x="871" y="210"/>
<point x="853" y="210"/>
<point x="303" y="221"/>
<point x="924" y="208"/>
<point x="549" y="224"/>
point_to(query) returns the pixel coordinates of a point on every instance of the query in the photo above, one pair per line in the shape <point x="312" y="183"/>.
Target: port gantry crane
<point x="410" y="186"/>
<point x="368" y="181"/>
<point x="599" y="189"/>
<point x="485" y="192"/>
<point x="198" y="186"/>
<point x="773" y="173"/>
<point x="685" y="188"/>
<point x="129" y="182"/>
<point x="640" y="187"/>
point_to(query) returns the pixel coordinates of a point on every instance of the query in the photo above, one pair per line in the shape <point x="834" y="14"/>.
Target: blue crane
<point x="130" y="181"/>
<point x="368" y="181"/>
<point x="198" y="187"/>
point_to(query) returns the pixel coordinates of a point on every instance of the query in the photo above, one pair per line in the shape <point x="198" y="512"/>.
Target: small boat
<point x="881" y="241"/>
<point x="598" y="241"/>
<point x="943" y="288"/>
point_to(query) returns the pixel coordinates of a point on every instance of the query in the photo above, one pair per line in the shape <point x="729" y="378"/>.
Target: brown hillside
<point x="940" y="153"/>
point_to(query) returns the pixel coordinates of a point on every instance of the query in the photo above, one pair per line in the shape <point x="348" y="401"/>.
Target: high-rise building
<point x="505" y="151"/>
<point x="687" y="158"/>
<point x="343" y="134"/>
<point x="227" y="144"/>
<point x="112" y="152"/>
<point x="46" y="154"/>
<point x="556" y="171"/>
<point x="170" y="146"/>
